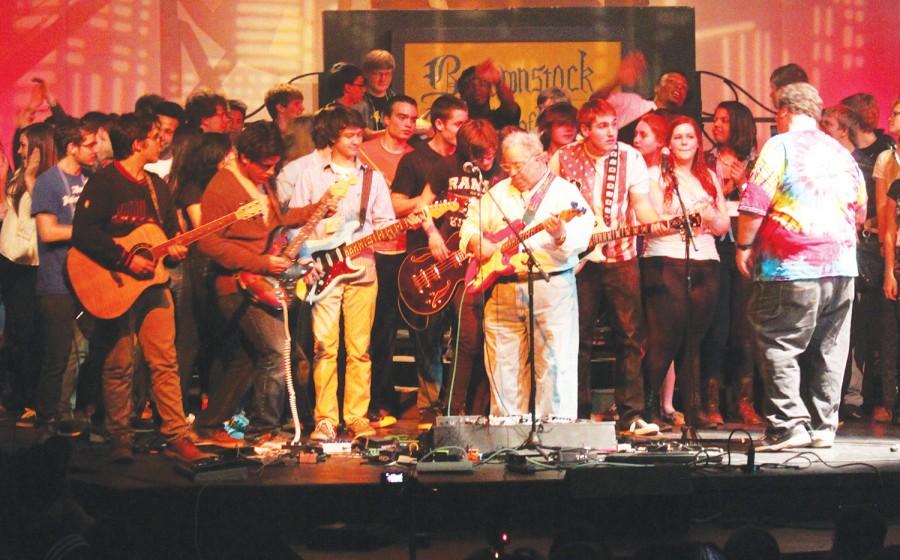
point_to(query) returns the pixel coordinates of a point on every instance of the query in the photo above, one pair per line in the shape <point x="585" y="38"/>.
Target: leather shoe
<point x="183" y="450"/>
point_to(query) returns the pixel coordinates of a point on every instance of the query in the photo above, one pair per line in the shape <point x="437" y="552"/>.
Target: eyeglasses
<point x="514" y="168"/>
<point x="359" y="84"/>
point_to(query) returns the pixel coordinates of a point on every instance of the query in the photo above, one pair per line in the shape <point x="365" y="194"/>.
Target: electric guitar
<point x="272" y="291"/>
<point x="603" y="235"/>
<point x="107" y="294"/>
<point x="333" y="254"/>
<point x="506" y="259"/>
<point x="426" y="285"/>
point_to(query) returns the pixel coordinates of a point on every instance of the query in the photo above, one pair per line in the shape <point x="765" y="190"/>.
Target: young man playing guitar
<point x="115" y="201"/>
<point x="537" y="197"/>
<point x="613" y="178"/>
<point x="424" y="176"/>
<point x="338" y="133"/>
<point x="242" y="247"/>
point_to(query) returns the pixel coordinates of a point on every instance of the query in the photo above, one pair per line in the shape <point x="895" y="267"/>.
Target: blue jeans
<point x="790" y="318"/>
<point x="253" y="350"/>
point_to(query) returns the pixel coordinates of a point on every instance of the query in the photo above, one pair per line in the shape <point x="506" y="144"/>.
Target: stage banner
<point x="577" y="67"/>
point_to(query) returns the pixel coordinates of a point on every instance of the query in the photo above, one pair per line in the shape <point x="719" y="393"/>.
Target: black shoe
<point x="851" y="413"/>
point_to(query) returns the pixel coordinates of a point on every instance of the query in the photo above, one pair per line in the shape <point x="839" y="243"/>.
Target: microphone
<point x="665" y="164"/>
<point x="469" y="167"/>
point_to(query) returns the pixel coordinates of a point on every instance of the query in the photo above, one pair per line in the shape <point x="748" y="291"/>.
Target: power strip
<point x="463" y="466"/>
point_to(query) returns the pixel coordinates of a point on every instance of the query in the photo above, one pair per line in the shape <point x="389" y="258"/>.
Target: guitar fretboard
<point x="293" y="248"/>
<point x="384" y="234"/>
<point x="193" y="235"/>
<point x="512" y="243"/>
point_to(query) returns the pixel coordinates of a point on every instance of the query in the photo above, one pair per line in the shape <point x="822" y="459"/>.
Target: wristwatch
<point x="744" y="245"/>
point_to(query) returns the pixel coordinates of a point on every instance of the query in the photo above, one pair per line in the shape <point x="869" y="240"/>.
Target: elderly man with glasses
<point x="535" y="196"/>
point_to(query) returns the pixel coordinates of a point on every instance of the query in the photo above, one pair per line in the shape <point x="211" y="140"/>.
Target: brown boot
<point x="712" y="402"/>
<point x="748" y="413"/>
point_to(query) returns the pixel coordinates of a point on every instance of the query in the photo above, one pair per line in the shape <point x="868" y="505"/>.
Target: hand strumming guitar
<point x="277" y="264"/>
<point x="141" y="266"/>
<point x="482" y="249"/>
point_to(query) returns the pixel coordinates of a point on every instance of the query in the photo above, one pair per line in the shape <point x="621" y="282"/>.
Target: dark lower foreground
<point x="148" y="510"/>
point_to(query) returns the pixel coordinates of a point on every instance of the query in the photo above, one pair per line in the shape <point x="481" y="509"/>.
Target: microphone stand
<point x="689" y="431"/>
<point x="533" y="441"/>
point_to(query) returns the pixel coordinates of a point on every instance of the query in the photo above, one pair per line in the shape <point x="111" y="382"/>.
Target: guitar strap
<point x="535" y="202"/>
<point x="609" y="184"/>
<point x="364" y="197"/>
<point x="153" y="198"/>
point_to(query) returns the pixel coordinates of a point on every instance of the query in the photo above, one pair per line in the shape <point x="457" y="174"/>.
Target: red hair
<point x="698" y="167"/>
<point x="593" y="109"/>
<point x="659" y="126"/>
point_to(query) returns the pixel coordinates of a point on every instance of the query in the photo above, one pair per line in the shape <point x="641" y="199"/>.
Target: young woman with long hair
<point x="678" y="312"/>
<point x="18" y="268"/>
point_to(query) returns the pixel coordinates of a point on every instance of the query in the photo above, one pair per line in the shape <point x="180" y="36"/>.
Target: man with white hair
<point x="534" y="195"/>
<point x="797" y="240"/>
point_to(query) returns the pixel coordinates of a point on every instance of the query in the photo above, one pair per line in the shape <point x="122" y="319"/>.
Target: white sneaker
<point x="822" y="439"/>
<point x="641" y="427"/>
<point x="324" y="431"/>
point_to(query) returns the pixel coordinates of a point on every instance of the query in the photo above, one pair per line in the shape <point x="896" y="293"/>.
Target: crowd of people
<point x="714" y="268"/>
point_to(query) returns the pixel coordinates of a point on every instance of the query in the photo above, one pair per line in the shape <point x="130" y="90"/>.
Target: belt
<point x="523" y="276"/>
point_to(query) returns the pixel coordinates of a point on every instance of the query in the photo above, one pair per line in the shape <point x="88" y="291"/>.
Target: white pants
<point x="556" y="347"/>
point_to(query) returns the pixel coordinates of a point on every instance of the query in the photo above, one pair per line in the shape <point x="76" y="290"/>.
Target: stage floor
<point x="797" y="489"/>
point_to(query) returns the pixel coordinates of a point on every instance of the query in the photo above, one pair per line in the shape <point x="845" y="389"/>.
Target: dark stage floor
<point x="797" y="492"/>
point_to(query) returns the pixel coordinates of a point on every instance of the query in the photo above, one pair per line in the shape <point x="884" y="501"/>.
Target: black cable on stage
<point x="292" y="80"/>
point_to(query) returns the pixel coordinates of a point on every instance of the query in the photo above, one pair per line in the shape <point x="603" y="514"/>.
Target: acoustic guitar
<point x="107" y="294"/>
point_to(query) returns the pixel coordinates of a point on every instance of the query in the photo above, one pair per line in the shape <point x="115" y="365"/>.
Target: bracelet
<point x="744" y="245"/>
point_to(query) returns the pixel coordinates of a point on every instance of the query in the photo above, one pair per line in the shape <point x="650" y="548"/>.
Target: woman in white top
<point x="676" y="321"/>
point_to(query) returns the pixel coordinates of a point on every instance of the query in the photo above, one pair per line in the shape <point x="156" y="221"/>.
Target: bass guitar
<point x="506" y="259"/>
<point x="107" y="294"/>
<point x="273" y="291"/>
<point x="602" y="235"/>
<point x="426" y="285"/>
<point x="333" y="254"/>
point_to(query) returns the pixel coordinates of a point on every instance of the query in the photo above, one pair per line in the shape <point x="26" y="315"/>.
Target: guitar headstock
<point x="569" y="213"/>
<point x="440" y="208"/>
<point x="249" y="210"/>
<point x="339" y="189"/>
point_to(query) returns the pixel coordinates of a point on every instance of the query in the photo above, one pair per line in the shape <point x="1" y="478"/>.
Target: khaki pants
<point x="151" y="321"/>
<point x="357" y="304"/>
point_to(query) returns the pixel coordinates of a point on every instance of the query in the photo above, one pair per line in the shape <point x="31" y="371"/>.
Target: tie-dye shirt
<point x="812" y="193"/>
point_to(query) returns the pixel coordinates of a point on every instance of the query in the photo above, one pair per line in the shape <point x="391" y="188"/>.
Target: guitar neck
<point x="631" y="231"/>
<point x="384" y="234"/>
<point x="195" y="234"/>
<point x="512" y="242"/>
<point x="293" y="248"/>
<point x="619" y="233"/>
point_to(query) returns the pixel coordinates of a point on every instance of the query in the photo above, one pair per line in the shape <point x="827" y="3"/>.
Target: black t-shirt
<point x="416" y="169"/>
<point x="894" y="194"/>
<point x="378" y="108"/>
<point x="882" y="142"/>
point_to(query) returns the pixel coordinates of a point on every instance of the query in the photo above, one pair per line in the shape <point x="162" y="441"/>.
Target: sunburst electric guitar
<point x="107" y="294"/>
<point x="507" y="259"/>
<point x="274" y="291"/>
<point x="333" y="254"/>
